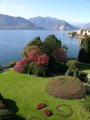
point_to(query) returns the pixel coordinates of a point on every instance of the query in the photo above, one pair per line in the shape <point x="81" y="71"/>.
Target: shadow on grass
<point x="18" y="117"/>
<point x="11" y="105"/>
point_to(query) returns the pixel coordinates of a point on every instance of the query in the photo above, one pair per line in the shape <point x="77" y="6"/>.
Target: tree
<point x="59" y="55"/>
<point x="36" y="41"/>
<point x="84" y="53"/>
<point x="50" y="43"/>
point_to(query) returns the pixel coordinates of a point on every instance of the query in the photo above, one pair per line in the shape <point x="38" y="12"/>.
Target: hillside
<point x="51" y="23"/>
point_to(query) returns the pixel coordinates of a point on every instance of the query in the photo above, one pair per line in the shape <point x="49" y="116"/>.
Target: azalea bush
<point x="66" y="88"/>
<point x="41" y="57"/>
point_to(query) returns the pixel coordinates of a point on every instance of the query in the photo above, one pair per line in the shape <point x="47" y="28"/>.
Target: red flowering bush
<point x="33" y="55"/>
<point x="43" y="60"/>
<point x="66" y="88"/>
<point x="20" y="65"/>
<point x="28" y="49"/>
<point x="40" y="106"/>
<point x="59" y="54"/>
<point x="48" y="112"/>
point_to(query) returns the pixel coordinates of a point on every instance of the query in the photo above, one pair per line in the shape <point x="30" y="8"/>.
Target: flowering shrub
<point x="48" y="112"/>
<point x="66" y="88"/>
<point x="43" y="60"/>
<point x="28" y="49"/>
<point x="59" y="54"/>
<point x="20" y="65"/>
<point x="40" y="106"/>
<point x="33" y="56"/>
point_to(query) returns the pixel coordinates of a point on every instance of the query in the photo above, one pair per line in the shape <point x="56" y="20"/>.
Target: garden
<point x="44" y="85"/>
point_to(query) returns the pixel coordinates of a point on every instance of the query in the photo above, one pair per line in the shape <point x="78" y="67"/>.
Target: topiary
<point x="64" y="110"/>
<point x="40" y="106"/>
<point x="66" y="87"/>
<point x="47" y="112"/>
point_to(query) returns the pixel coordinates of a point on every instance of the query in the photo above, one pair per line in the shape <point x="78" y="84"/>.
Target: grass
<point x="26" y="91"/>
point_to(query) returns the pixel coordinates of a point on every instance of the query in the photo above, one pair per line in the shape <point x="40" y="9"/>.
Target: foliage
<point x="1" y="68"/>
<point x="28" y="49"/>
<point x="64" y="110"/>
<point x="73" y="68"/>
<point x="12" y="64"/>
<point x="43" y="60"/>
<point x="66" y="88"/>
<point x="84" y="53"/>
<point x="40" y="106"/>
<point x="44" y="55"/>
<point x="47" y="112"/>
<point x="37" y="70"/>
<point x="36" y="41"/>
<point x="6" y="114"/>
<point x="20" y="65"/>
<point x="82" y="76"/>
<point x="33" y="56"/>
<point x="59" y="55"/>
<point x="50" y="43"/>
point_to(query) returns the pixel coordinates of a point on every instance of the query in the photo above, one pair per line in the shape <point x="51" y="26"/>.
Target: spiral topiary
<point x="66" y="87"/>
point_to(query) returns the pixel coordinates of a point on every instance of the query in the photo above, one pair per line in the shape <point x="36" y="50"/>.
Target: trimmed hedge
<point x="64" y="110"/>
<point x="66" y="87"/>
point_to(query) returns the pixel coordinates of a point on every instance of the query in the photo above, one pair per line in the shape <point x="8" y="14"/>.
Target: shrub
<point x="33" y="56"/>
<point x="82" y="76"/>
<point x="20" y="65"/>
<point x="1" y="68"/>
<point x="28" y="49"/>
<point x="64" y="110"/>
<point x="2" y="105"/>
<point x="66" y="87"/>
<point x="40" y="106"/>
<point x="6" y="114"/>
<point x="59" y="55"/>
<point x="12" y="64"/>
<point x="47" y="112"/>
<point x="43" y="60"/>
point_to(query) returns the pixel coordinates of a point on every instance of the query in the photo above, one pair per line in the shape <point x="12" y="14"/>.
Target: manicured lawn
<point x="27" y="91"/>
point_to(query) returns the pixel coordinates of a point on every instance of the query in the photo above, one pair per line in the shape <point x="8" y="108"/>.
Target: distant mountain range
<point x="82" y="25"/>
<point x="51" y="23"/>
<point x="11" y="22"/>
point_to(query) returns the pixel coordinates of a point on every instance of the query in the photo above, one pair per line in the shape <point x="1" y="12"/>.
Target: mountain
<point x="82" y="25"/>
<point x="10" y="22"/>
<point x="51" y="23"/>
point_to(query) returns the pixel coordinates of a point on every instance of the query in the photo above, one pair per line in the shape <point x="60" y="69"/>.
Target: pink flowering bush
<point x="20" y="65"/>
<point x="33" y="56"/>
<point x="43" y="60"/>
<point x="66" y="88"/>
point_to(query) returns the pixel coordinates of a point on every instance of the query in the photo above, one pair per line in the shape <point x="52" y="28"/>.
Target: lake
<point x="12" y="43"/>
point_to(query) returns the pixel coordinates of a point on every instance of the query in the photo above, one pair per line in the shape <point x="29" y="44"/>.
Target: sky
<point x="69" y="10"/>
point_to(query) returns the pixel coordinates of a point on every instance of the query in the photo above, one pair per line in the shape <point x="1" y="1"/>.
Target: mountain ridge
<point x="49" y="23"/>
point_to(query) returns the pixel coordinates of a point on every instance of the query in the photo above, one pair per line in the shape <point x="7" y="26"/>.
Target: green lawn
<point x="28" y="90"/>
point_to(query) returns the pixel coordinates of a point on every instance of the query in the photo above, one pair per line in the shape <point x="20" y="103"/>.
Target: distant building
<point x="83" y="32"/>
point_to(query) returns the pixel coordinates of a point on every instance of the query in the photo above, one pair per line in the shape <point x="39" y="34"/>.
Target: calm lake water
<point x="12" y="43"/>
